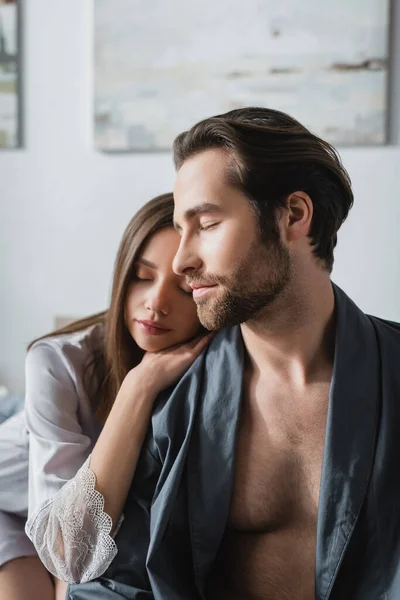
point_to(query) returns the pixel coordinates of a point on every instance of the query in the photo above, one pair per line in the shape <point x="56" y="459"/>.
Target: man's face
<point x="234" y="274"/>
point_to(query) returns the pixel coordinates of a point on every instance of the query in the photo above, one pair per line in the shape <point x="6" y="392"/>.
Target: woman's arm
<point x="114" y="458"/>
<point x="66" y="520"/>
<point x="71" y="529"/>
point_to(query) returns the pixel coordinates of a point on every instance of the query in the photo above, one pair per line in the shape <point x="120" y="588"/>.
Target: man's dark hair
<point x="273" y="155"/>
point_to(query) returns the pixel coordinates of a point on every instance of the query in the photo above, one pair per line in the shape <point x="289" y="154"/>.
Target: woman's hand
<point x="158" y="370"/>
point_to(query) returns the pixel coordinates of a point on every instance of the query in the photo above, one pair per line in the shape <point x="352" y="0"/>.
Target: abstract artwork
<point x="161" y="66"/>
<point x="9" y="77"/>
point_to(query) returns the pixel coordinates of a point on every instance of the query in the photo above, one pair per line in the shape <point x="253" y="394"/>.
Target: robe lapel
<point x="211" y="456"/>
<point x="351" y="429"/>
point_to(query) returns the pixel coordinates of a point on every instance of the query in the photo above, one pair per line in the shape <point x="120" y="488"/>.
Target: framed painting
<point x="162" y="66"/>
<point x="10" y="135"/>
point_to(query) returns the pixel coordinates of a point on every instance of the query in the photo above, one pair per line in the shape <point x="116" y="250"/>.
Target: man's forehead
<point x="202" y="168"/>
<point x="200" y="177"/>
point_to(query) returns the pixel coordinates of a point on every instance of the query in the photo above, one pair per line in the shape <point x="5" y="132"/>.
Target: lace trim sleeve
<point x="72" y="533"/>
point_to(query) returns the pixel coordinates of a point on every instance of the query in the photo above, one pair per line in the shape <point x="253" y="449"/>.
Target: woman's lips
<point x="151" y="328"/>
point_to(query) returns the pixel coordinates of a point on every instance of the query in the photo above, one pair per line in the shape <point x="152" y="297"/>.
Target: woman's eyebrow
<point x="146" y="263"/>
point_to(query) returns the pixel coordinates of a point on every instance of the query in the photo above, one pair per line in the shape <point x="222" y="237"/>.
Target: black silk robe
<point x="178" y="506"/>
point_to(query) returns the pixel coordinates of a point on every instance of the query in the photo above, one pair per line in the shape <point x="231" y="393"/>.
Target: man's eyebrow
<point x="146" y="263"/>
<point x="206" y="207"/>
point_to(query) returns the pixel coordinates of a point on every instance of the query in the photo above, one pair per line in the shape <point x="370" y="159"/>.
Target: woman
<point x="90" y="388"/>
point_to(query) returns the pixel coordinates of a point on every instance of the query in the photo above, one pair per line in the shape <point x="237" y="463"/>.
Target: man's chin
<point x="209" y="318"/>
<point x="213" y="313"/>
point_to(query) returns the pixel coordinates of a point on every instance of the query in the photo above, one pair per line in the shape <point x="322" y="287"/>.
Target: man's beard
<point x="257" y="281"/>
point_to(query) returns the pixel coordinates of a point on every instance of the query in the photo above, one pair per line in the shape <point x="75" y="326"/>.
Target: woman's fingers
<point x="161" y="369"/>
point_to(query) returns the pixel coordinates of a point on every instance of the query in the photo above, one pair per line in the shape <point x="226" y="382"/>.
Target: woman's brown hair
<point x="120" y="352"/>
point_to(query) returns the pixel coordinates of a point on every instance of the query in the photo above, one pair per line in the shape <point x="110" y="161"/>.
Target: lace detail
<point x="71" y="531"/>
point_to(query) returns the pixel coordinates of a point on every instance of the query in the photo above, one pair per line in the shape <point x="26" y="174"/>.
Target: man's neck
<point x="293" y="339"/>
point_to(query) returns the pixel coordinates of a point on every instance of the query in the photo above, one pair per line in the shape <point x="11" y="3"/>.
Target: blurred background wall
<point x="63" y="205"/>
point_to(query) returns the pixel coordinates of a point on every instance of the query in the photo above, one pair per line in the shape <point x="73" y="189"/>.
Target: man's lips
<point x="200" y="289"/>
<point x="152" y="327"/>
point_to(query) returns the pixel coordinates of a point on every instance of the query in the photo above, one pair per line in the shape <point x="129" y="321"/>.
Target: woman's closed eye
<point x="143" y="278"/>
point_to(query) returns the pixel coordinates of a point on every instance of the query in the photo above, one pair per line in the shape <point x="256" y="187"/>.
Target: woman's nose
<point x="158" y="300"/>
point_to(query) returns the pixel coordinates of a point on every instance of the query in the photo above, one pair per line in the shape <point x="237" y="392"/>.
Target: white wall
<point x="63" y="207"/>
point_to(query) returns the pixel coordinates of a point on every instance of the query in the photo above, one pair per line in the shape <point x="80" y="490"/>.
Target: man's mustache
<point x="199" y="279"/>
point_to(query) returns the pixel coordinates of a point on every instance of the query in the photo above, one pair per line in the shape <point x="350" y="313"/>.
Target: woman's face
<point x="159" y="308"/>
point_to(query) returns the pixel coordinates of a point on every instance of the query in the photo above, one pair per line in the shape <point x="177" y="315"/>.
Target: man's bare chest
<point x="277" y="471"/>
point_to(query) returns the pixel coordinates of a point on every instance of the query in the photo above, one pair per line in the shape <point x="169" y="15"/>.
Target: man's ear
<point x="299" y="213"/>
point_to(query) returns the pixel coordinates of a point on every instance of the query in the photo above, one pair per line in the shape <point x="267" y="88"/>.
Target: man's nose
<point x="186" y="259"/>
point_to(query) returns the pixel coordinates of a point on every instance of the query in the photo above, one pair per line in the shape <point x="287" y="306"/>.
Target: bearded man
<point x="270" y="470"/>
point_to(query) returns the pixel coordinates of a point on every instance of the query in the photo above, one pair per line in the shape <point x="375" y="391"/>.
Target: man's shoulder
<point x="388" y="337"/>
<point x="385" y="326"/>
